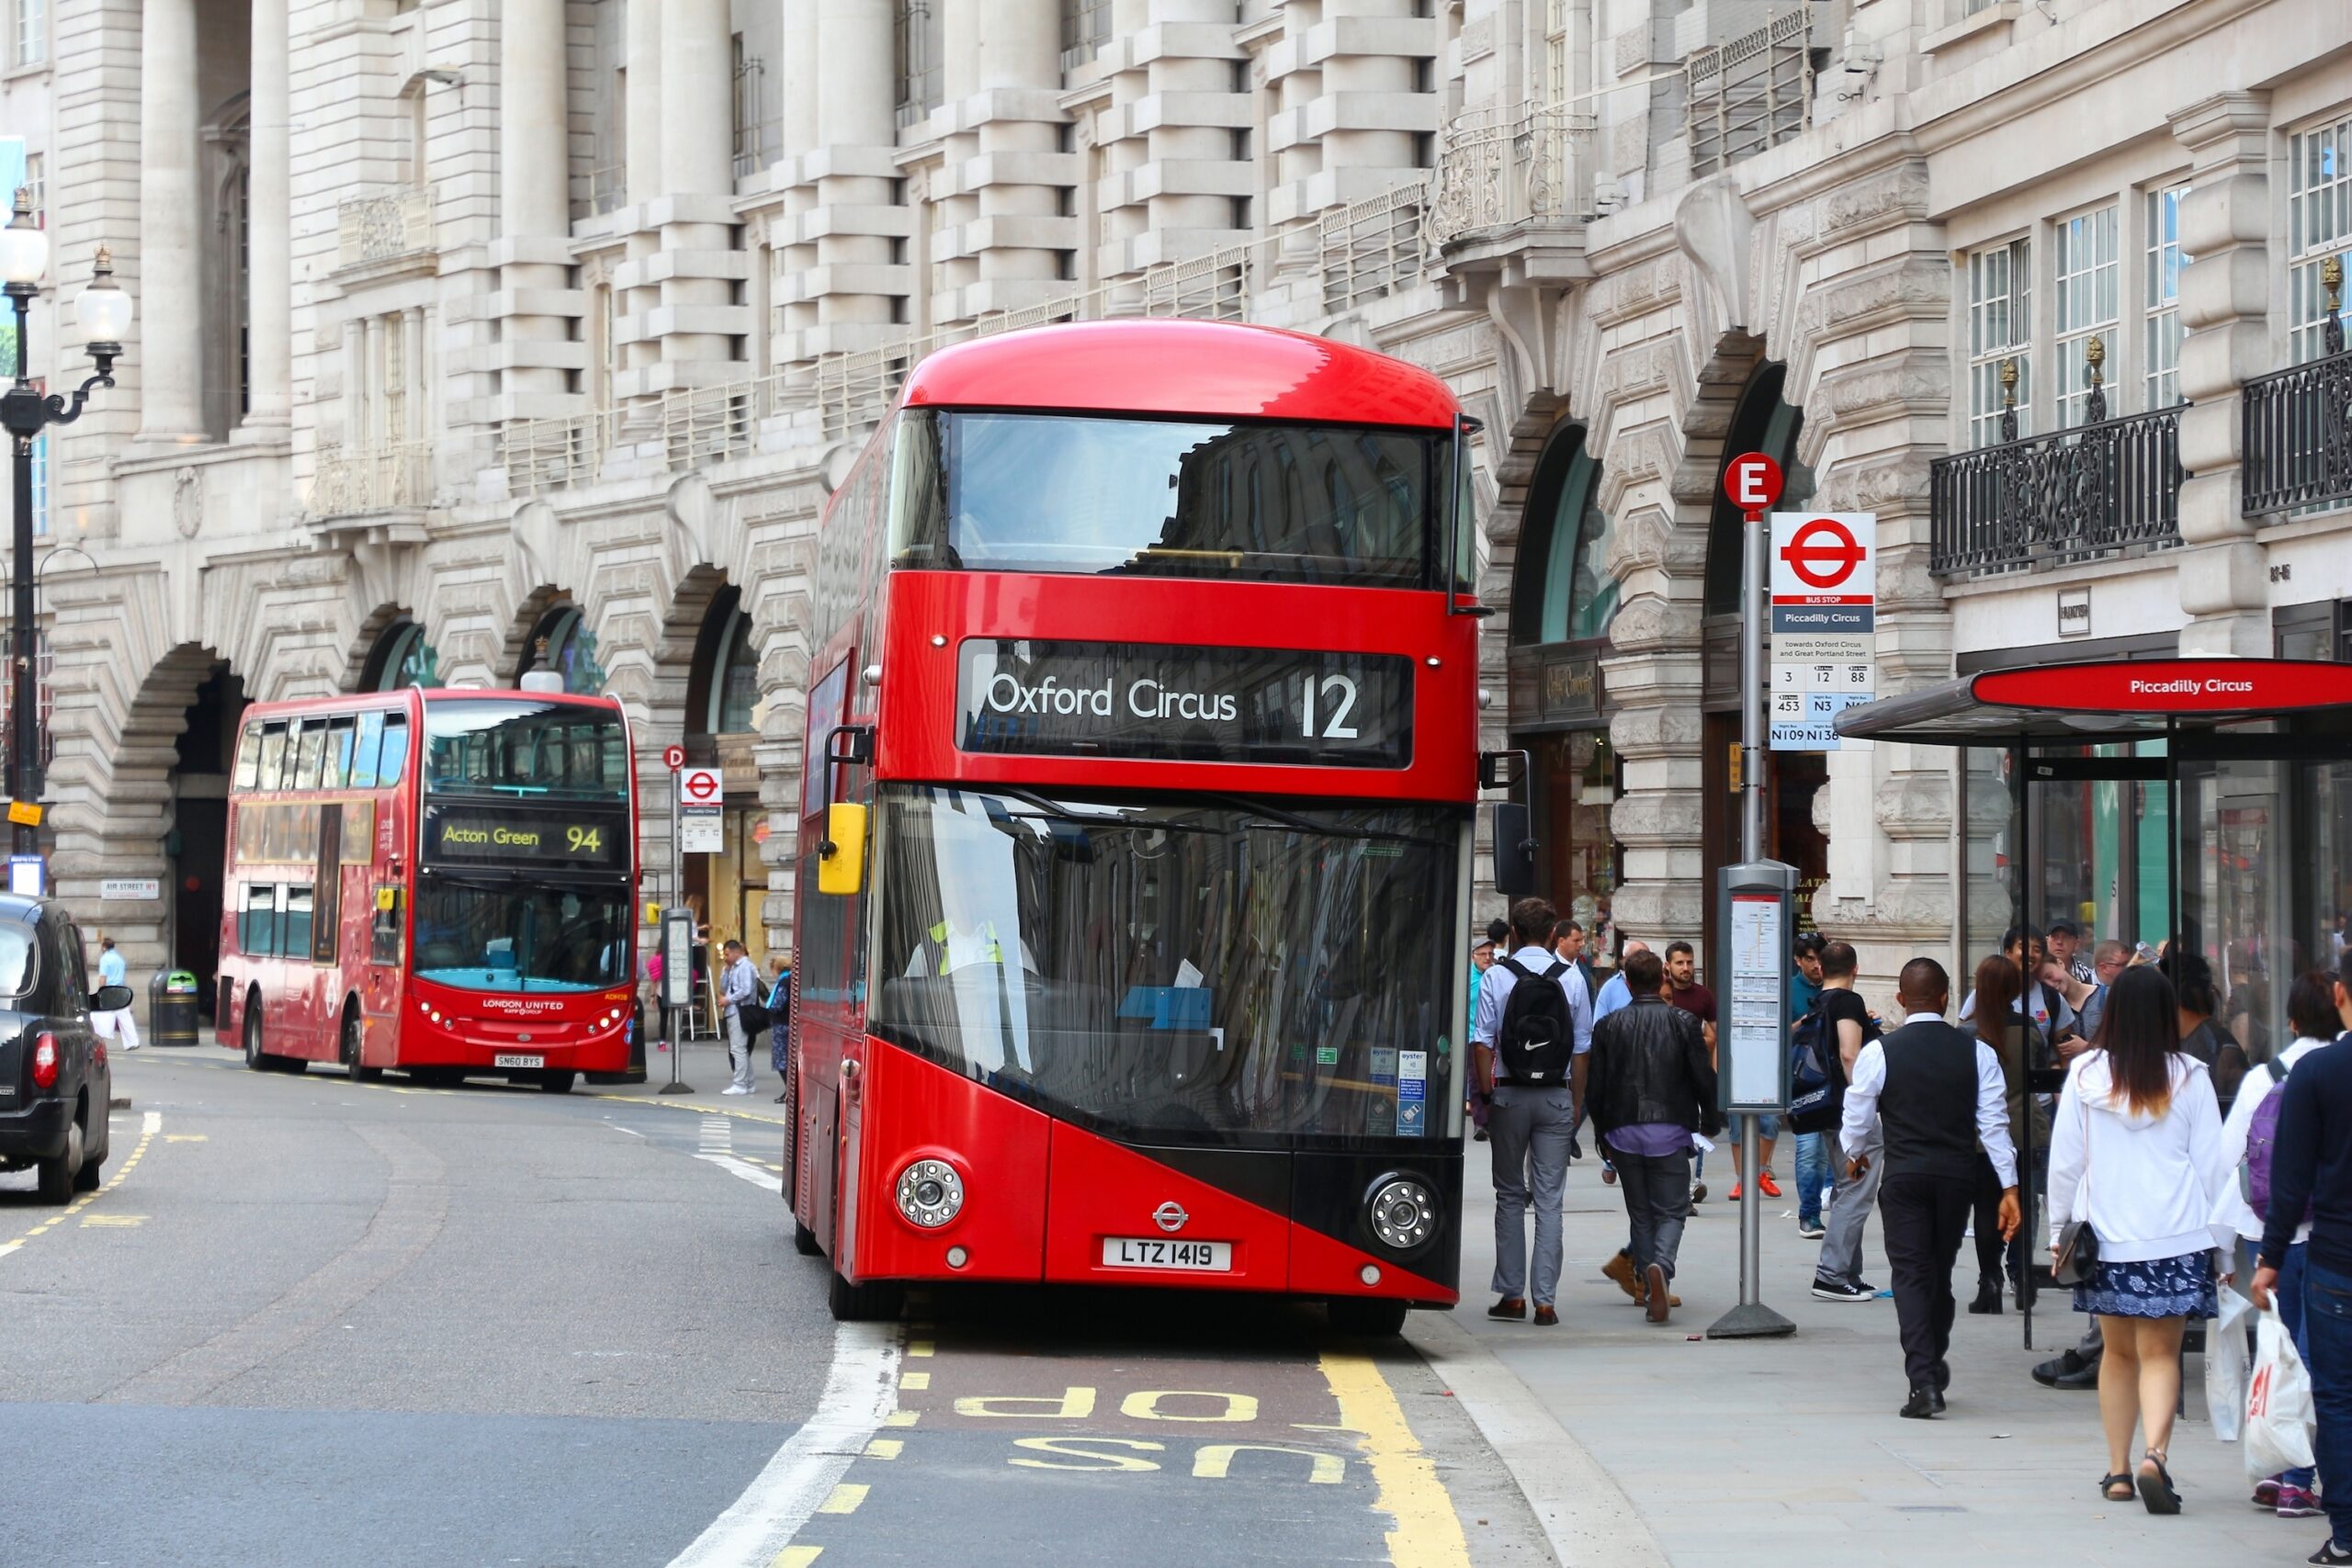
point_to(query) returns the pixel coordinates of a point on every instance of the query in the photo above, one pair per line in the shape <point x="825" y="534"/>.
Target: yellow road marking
<point x="125" y="1220"/>
<point x="700" y="1110"/>
<point x="844" y="1499"/>
<point x="922" y="1348"/>
<point x="916" y="1381"/>
<point x="895" y="1418"/>
<point x="797" y="1556"/>
<point x="184" y="1138"/>
<point x="1427" y="1534"/>
<point x="885" y="1448"/>
<point x="138" y="1151"/>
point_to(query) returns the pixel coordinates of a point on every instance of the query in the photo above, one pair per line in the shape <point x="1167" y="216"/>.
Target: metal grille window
<point x="921" y="45"/>
<point x="1086" y="27"/>
<point x="2160" y="299"/>
<point x="2085" y="262"/>
<point x="759" y="135"/>
<point x="2319" y="226"/>
<point x="394" y="402"/>
<point x="2001" y="331"/>
<point x="1750" y="94"/>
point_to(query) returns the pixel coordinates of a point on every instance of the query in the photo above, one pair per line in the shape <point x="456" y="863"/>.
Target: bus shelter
<point x="2203" y="803"/>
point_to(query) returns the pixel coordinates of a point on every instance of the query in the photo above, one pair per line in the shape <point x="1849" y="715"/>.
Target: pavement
<point x="1788" y="1453"/>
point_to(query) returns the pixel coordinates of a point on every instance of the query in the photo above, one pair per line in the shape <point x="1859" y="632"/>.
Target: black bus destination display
<point x="1203" y="704"/>
<point x="579" y="842"/>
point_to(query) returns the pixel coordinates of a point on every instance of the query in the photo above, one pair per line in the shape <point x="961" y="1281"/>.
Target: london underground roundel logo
<point x="1823" y="553"/>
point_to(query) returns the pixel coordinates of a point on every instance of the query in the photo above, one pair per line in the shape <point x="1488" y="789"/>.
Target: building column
<point x="699" y="264"/>
<point x="535" y="207"/>
<point x="170" y="353"/>
<point x="856" y="126"/>
<point x="2225" y="317"/>
<point x="644" y="156"/>
<point x="268" y="206"/>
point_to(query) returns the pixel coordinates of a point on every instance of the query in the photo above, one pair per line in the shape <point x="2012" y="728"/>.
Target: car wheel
<point x="1372" y="1319"/>
<point x="91" y="1174"/>
<point x="558" y="1083"/>
<point x="56" y="1176"/>
<point x="351" y="1041"/>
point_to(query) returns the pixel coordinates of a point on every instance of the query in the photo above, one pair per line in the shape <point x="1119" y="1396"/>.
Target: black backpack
<point x="1817" y="1095"/>
<point x="1537" y="1038"/>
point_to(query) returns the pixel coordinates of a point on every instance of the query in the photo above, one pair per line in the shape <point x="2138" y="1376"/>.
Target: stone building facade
<point x="480" y="334"/>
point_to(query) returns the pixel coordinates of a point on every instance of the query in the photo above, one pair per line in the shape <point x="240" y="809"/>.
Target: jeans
<point x="1926" y="1217"/>
<point x="1528" y="1130"/>
<point x="1850" y="1212"/>
<point x="1657" y="1201"/>
<point x="1813" y="1174"/>
<point x="2327" y="1331"/>
<point x="2292" y="1270"/>
<point x="738" y="1051"/>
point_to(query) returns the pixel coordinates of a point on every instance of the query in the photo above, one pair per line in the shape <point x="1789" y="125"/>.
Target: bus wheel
<point x="876" y="1300"/>
<point x="434" y="1077"/>
<point x="257" y="1059"/>
<point x="804" y="1240"/>
<point x="1373" y="1319"/>
<point x="558" y="1083"/>
<point x="351" y="1049"/>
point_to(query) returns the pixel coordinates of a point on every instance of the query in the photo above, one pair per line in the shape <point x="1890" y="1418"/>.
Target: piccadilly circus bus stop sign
<point x="2062" y="727"/>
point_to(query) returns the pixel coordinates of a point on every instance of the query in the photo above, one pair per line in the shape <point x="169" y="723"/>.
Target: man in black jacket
<point x="1650" y="1087"/>
<point x="1935" y="1092"/>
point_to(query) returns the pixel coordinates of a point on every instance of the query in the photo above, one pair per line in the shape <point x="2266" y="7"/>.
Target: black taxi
<point x="55" y="1085"/>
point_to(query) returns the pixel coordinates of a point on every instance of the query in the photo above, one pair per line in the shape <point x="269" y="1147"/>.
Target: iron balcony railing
<point x="379" y="478"/>
<point x="1500" y="167"/>
<point x="2095" y="489"/>
<point x="2298" y="445"/>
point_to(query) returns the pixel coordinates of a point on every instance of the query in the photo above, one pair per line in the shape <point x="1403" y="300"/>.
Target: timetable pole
<point x="677" y="1084"/>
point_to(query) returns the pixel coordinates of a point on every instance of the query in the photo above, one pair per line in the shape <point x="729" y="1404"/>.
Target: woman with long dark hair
<point x="1998" y="1024"/>
<point x="2135" y="1151"/>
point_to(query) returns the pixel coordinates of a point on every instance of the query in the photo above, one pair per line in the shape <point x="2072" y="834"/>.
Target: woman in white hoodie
<point x="2311" y="1010"/>
<point x="2135" y="1149"/>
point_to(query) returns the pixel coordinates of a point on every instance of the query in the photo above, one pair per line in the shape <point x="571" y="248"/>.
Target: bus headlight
<point x="1403" y="1213"/>
<point x="930" y="1194"/>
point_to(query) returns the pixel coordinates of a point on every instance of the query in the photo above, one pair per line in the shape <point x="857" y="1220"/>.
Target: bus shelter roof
<point x="2100" y="701"/>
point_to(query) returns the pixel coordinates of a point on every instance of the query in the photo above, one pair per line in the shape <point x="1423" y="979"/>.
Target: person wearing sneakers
<point x="1846" y="1022"/>
<point x="1924" y="1099"/>
<point x="1650" y="1087"/>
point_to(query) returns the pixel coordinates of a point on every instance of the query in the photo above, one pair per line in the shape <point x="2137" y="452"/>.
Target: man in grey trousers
<point x="1529" y="1126"/>
<point x="1846" y="1023"/>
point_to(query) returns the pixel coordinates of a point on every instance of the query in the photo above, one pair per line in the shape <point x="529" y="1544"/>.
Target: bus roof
<point x="400" y="696"/>
<point x="1213" y="369"/>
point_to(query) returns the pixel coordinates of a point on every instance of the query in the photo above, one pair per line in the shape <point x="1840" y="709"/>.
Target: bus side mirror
<point x="841" y="859"/>
<point x="1514" y="851"/>
<point x="1501" y="770"/>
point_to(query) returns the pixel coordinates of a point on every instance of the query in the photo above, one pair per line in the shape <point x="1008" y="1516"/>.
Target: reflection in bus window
<point x="338" y="765"/>
<point x="311" y="753"/>
<point x="393" y="764"/>
<point x="248" y="757"/>
<point x="494" y="934"/>
<point x="363" y="758"/>
<point x="294" y="925"/>
<point x="257" y="922"/>
<point x="273" y="758"/>
<point x="384" y="930"/>
<point x="523" y="750"/>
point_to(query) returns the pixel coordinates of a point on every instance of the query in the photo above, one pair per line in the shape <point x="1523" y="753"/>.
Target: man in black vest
<point x="1936" y="1092"/>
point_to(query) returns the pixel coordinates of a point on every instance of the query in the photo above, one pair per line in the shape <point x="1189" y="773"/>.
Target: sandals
<point x="2156" y="1490"/>
<point x="2108" y="1483"/>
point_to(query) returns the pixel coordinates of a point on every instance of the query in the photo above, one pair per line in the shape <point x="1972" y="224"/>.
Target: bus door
<point x="324" y="974"/>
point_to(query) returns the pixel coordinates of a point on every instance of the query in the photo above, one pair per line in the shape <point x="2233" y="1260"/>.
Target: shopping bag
<point x="2225" y="1363"/>
<point x="2279" y="1417"/>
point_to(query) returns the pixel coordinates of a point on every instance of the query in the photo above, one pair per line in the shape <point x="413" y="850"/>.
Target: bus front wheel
<point x="1370" y="1319"/>
<point x="558" y="1083"/>
<point x="351" y="1043"/>
<point x="876" y="1300"/>
<point x="257" y="1057"/>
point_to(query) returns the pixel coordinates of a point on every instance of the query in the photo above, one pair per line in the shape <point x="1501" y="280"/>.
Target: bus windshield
<point x="1167" y="498"/>
<point x="1182" y="971"/>
<point x="517" y="749"/>
<point x="499" y="933"/>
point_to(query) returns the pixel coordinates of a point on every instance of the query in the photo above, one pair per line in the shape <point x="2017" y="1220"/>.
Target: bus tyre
<point x="875" y="1301"/>
<point x="55" y="1176"/>
<point x="1372" y="1319"/>
<point x="351" y="1051"/>
<point x="804" y="1240"/>
<point x="257" y="1059"/>
<point x="558" y="1083"/>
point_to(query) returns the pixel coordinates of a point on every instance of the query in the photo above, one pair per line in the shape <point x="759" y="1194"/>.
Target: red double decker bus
<point x="441" y="881"/>
<point x="1136" y="831"/>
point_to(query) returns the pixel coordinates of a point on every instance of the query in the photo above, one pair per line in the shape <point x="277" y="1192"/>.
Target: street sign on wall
<point x="1824" y="618"/>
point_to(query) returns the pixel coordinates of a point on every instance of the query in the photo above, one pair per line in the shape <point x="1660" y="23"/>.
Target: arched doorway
<point x="561" y="641"/>
<point x="1763" y="420"/>
<point x="400" y="659"/>
<point x="1561" y="603"/>
<point x="198" y="840"/>
<point x="724" y="705"/>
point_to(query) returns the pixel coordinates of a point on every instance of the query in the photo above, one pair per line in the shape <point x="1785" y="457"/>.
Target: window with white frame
<point x="2083" y="269"/>
<point x="2319" y="225"/>
<point x="2000" y="330"/>
<point x="2160" y="297"/>
<point x="30" y="44"/>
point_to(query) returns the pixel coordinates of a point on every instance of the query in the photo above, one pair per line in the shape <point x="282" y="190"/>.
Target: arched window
<point x="1561" y="589"/>
<point x="400" y="659"/>
<point x="1765" y="423"/>
<point x="563" y="642"/>
<point x="724" y="685"/>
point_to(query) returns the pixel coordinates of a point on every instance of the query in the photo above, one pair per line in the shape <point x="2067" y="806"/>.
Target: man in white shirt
<point x="119" y="1024"/>
<point x="1614" y="992"/>
<point x="1935" y="1093"/>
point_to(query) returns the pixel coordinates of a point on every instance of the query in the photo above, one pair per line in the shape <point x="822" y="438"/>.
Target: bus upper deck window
<point x="248" y="757"/>
<point x="273" y="758"/>
<point x="363" y="757"/>
<point x="392" y="763"/>
<point x="338" y="762"/>
<point x="311" y="753"/>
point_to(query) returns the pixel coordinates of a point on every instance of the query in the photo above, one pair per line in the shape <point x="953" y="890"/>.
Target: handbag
<point x="2077" y="1257"/>
<point x="753" y="1017"/>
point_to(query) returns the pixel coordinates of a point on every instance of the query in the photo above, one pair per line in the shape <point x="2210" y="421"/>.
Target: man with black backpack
<point x="1534" y="1026"/>
<point x="1831" y="1038"/>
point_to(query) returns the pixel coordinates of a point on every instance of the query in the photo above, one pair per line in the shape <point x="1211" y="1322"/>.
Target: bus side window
<point x="273" y="757"/>
<point x="338" y="767"/>
<point x="394" y="761"/>
<point x="248" y="757"/>
<point x="363" y="761"/>
<point x="257" y="921"/>
<point x="384" y="932"/>
<point x="310" y="753"/>
<point x="294" y="930"/>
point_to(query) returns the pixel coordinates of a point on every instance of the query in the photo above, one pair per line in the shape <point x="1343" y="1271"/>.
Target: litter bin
<point x="171" y="1009"/>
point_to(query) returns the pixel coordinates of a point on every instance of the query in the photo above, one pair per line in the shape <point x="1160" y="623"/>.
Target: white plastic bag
<point x="2225" y="1363"/>
<point x="2279" y="1417"/>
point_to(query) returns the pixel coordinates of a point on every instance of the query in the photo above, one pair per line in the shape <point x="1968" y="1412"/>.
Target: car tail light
<point x="45" y="1062"/>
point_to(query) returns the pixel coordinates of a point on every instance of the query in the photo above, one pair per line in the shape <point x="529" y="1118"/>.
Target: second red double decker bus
<point x="1136" y="831"/>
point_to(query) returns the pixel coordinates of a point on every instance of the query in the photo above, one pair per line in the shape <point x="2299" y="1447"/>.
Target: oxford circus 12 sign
<point x="1208" y="704"/>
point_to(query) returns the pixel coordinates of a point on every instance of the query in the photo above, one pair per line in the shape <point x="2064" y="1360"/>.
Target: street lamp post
<point x="103" y="313"/>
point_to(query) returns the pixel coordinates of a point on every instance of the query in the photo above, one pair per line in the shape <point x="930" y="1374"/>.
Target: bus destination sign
<point x="1296" y="706"/>
<point x="510" y="839"/>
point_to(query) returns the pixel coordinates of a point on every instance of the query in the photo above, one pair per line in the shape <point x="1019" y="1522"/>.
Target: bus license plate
<point x="1154" y="1252"/>
<point x="509" y="1060"/>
